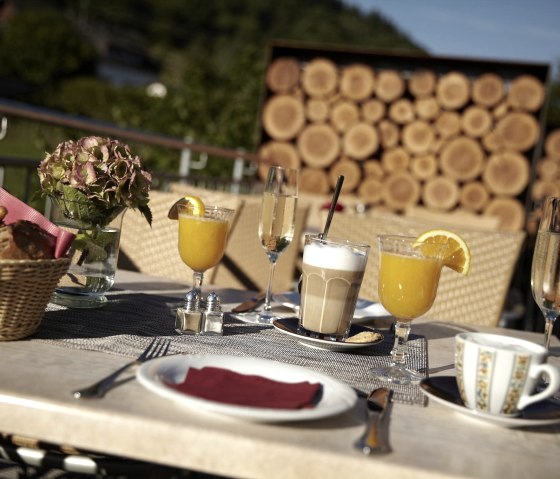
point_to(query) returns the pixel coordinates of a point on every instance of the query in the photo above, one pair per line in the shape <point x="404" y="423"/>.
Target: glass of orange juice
<point x="409" y="273"/>
<point x="202" y="238"/>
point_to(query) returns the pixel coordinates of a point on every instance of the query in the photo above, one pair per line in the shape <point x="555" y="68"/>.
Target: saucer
<point x="444" y="390"/>
<point x="289" y="326"/>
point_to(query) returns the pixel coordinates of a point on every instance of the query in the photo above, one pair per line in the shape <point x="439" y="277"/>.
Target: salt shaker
<point x="189" y="318"/>
<point x="213" y="322"/>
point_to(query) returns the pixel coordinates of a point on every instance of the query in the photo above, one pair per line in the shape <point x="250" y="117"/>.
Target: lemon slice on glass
<point x="197" y="207"/>
<point x="458" y="255"/>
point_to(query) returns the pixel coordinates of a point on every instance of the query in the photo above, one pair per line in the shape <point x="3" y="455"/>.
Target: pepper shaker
<point x="189" y="319"/>
<point x="213" y="317"/>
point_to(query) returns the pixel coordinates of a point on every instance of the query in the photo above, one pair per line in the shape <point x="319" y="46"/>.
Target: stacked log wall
<point x="446" y="134"/>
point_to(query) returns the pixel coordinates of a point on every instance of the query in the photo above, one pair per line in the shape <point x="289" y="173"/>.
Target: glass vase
<point x="93" y="258"/>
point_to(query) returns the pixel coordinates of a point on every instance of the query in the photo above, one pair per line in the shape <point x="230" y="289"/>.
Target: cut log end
<point x="314" y="180"/>
<point x="424" y="167"/>
<point x="418" y="137"/>
<point x="402" y="111"/>
<point x="453" y="90"/>
<point x="488" y="90"/>
<point x="319" y="145"/>
<point x="440" y="193"/>
<point x="474" y="196"/>
<point x="506" y="173"/>
<point x="400" y="190"/>
<point x="462" y="159"/>
<point x="395" y="159"/>
<point x="373" y="110"/>
<point x="320" y="77"/>
<point x="370" y="191"/>
<point x="350" y="170"/>
<point x="357" y="82"/>
<point x="448" y="124"/>
<point x="283" y="117"/>
<point x="422" y="83"/>
<point x="389" y="134"/>
<point x="277" y="153"/>
<point x="476" y="121"/>
<point x="360" y="141"/>
<point x="510" y="211"/>
<point x="282" y="75"/>
<point x="390" y="86"/>
<point x="526" y="93"/>
<point x="344" y="114"/>
<point x="518" y="131"/>
<point x="427" y="108"/>
<point x="540" y="189"/>
<point x="552" y="144"/>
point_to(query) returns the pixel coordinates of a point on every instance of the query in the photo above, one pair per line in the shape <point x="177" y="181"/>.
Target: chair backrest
<point x="477" y="298"/>
<point x="456" y="218"/>
<point x="153" y="250"/>
<point x="246" y="264"/>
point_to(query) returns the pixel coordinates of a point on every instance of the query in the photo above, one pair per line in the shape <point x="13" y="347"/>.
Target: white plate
<point x="364" y="309"/>
<point x="289" y="326"/>
<point x="443" y="390"/>
<point x="337" y="397"/>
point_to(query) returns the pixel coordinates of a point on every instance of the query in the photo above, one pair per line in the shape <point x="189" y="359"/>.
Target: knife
<point x="376" y="437"/>
<point x="249" y="305"/>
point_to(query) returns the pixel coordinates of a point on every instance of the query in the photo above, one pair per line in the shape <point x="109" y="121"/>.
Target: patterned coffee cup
<point x="498" y="374"/>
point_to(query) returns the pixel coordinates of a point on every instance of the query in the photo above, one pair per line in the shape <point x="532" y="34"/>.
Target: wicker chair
<point x="246" y="264"/>
<point x="456" y="218"/>
<point x="475" y="299"/>
<point x="153" y="250"/>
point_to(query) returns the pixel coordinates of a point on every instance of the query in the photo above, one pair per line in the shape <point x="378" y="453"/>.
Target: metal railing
<point x="242" y="179"/>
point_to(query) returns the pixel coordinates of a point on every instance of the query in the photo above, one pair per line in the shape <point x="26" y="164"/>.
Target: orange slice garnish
<point x="457" y="256"/>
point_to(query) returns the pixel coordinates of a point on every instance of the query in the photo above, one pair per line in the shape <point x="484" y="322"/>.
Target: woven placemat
<point x="127" y="323"/>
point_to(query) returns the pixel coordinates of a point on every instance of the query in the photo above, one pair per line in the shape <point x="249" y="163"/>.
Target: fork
<point x="155" y="349"/>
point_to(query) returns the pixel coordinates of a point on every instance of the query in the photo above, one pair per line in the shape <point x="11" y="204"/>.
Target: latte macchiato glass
<point x="332" y="274"/>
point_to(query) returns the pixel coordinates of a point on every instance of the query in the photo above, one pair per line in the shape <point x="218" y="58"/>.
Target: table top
<point x="428" y="442"/>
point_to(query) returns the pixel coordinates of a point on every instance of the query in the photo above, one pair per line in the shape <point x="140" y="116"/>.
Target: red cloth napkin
<point x="223" y="385"/>
<point x="18" y="210"/>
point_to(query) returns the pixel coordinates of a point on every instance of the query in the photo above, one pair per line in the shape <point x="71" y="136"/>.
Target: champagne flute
<point x="276" y="228"/>
<point x="202" y="238"/>
<point x="545" y="270"/>
<point x="409" y="274"/>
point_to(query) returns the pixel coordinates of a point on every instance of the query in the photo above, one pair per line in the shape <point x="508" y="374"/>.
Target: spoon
<point x="334" y="200"/>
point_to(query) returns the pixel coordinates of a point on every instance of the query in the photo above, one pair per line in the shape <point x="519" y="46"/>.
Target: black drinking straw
<point x="334" y="200"/>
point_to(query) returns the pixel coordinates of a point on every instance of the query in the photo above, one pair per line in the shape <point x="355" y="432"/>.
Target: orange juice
<point x="202" y="241"/>
<point x="408" y="284"/>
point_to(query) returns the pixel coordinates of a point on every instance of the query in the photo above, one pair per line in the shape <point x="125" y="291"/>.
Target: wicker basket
<point x="25" y="289"/>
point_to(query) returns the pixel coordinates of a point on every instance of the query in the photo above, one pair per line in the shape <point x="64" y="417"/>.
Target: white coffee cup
<point x="498" y="374"/>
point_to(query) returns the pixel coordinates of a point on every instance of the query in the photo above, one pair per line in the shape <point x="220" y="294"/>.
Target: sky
<point x="512" y="30"/>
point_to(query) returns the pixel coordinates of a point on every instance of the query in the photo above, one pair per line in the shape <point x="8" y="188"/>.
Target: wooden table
<point x="429" y="442"/>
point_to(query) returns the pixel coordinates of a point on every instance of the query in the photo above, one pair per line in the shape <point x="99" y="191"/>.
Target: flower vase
<point x="93" y="256"/>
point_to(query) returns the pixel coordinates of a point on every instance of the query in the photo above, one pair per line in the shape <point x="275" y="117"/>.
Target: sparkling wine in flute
<point x="276" y="228"/>
<point x="545" y="277"/>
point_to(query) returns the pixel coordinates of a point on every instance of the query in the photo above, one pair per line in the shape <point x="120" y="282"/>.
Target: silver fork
<point x="157" y="348"/>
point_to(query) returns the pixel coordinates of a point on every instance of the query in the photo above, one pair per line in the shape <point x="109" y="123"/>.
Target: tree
<point x="43" y="47"/>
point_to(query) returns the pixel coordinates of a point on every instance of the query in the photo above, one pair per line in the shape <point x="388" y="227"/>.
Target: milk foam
<point x="333" y="256"/>
<point x="496" y="343"/>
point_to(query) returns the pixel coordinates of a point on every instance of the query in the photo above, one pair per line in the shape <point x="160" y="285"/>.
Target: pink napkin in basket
<point x="223" y="385"/>
<point x="18" y="210"/>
